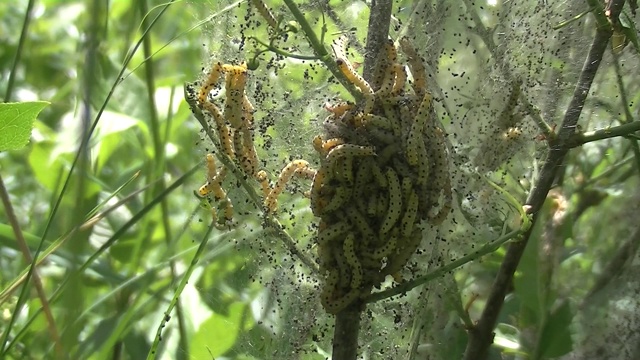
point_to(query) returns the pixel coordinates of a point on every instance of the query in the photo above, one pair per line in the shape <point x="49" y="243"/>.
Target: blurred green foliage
<point x="130" y="196"/>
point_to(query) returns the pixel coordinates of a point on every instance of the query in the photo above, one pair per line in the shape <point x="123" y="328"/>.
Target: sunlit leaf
<point x="16" y="122"/>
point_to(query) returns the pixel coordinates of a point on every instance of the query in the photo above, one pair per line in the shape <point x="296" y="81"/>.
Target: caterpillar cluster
<point x="234" y="128"/>
<point x="384" y="169"/>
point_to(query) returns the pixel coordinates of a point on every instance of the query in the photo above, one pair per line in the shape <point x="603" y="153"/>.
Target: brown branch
<point x="377" y="34"/>
<point x="37" y="281"/>
<point x="481" y="336"/>
<point x="345" y="334"/>
<point x="347" y="325"/>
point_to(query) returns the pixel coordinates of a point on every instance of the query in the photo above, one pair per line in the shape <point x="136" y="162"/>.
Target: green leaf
<point x="629" y="30"/>
<point x="16" y="122"/>
<point x="556" y="340"/>
<point x="218" y="333"/>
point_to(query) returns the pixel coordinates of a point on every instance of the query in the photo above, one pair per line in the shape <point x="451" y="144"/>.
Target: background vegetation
<point x="101" y="198"/>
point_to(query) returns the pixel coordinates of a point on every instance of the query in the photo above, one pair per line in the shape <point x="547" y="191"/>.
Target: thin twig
<point x="481" y="336"/>
<point x="580" y="139"/>
<point x="37" y="282"/>
<point x="410" y="285"/>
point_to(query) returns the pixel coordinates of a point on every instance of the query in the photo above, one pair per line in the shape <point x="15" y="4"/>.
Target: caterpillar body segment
<point x="416" y="65"/>
<point x="387" y="248"/>
<point x="349" y="250"/>
<point x="363" y="174"/>
<point x="333" y="232"/>
<point x="372" y="204"/>
<point x="401" y="80"/>
<point x="224" y="133"/>
<point x="349" y="72"/>
<point x="249" y="160"/>
<point x="334" y="306"/>
<point x="343" y="267"/>
<point x="394" y="118"/>
<point x="410" y="215"/>
<point x="234" y="103"/>
<point x="412" y="151"/>
<point x="329" y="287"/>
<point x="376" y="121"/>
<point x="350" y="151"/>
<point x="361" y="224"/>
<point x="330" y="144"/>
<point x="317" y="201"/>
<point x="210" y="82"/>
<point x="262" y="178"/>
<point x="325" y="256"/>
<point x="379" y="177"/>
<point x="341" y="196"/>
<point x="305" y="173"/>
<point x="403" y="253"/>
<point x="264" y="11"/>
<point x="395" y="202"/>
<point x="271" y="201"/>
<point x="342" y="168"/>
<point x="388" y="81"/>
<point x="382" y="206"/>
<point x="211" y="167"/>
<point x="317" y="144"/>
<point x="339" y="109"/>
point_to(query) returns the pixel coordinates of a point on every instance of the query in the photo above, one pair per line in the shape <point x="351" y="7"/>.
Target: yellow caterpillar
<point x="271" y="201"/>
<point x="349" y="249"/>
<point x="266" y="13"/>
<point x="395" y="202"/>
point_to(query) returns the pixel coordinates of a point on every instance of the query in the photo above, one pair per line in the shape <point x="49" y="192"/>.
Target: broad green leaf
<point x="556" y="337"/>
<point x="218" y="333"/>
<point x="16" y="122"/>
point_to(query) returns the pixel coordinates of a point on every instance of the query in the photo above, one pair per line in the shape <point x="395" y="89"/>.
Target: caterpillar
<point x="416" y="66"/>
<point x="340" y="197"/>
<point x="353" y="77"/>
<point x="395" y="202"/>
<point x="224" y="133"/>
<point x="261" y="176"/>
<point x="410" y="214"/>
<point x="332" y="232"/>
<point x="401" y="79"/>
<point x="361" y="224"/>
<point x="266" y="13"/>
<point x="315" y="195"/>
<point x="388" y="248"/>
<point x="234" y="103"/>
<point x="349" y="249"/>
<point x="271" y="201"/>
<point x="349" y="150"/>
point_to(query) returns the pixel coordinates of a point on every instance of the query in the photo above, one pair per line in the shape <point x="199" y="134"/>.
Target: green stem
<point x="320" y="50"/>
<point x="178" y="292"/>
<point x="607" y="133"/>
<point x="284" y="53"/>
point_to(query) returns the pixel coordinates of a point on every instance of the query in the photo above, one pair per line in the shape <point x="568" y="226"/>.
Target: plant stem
<point x="481" y="336"/>
<point x="37" y="282"/>
<point x="345" y="335"/>
<point x="347" y="321"/>
<point x="321" y="50"/>
<point x="595" y="135"/>
<point x="377" y="33"/>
